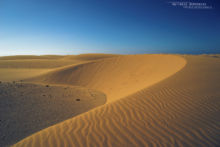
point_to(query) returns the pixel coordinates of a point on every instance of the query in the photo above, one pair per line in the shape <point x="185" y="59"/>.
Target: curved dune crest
<point x="117" y="77"/>
<point x="181" y="110"/>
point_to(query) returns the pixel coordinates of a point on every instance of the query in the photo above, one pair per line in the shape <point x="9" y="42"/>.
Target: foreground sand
<point x="28" y="108"/>
<point x="152" y="100"/>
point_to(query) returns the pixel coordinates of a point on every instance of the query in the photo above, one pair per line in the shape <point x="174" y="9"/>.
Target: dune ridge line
<point x="135" y="120"/>
<point x="116" y="76"/>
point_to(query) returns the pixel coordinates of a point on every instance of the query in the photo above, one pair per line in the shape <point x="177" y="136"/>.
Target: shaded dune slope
<point x="118" y="76"/>
<point x="181" y="110"/>
<point x="28" y="108"/>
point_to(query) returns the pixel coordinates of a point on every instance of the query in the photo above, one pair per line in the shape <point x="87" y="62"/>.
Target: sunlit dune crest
<point x="142" y="100"/>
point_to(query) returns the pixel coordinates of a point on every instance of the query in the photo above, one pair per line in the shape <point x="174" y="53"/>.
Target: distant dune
<point x="47" y="61"/>
<point x="152" y="100"/>
<point x="30" y="66"/>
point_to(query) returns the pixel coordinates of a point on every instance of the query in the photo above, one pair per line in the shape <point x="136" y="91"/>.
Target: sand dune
<point x="8" y="74"/>
<point x="117" y="77"/>
<point x="89" y="57"/>
<point x="181" y="110"/>
<point x="28" y="108"/>
<point x="48" y="61"/>
<point x="27" y="66"/>
<point x="153" y="100"/>
<point x="23" y="57"/>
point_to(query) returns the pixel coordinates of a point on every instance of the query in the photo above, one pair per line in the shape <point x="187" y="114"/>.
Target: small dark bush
<point x="47" y="86"/>
<point x="77" y="99"/>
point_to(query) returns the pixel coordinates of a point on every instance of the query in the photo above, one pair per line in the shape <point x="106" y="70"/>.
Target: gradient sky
<point x="107" y="26"/>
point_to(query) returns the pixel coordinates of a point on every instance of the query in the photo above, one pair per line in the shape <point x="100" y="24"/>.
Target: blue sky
<point x="107" y="26"/>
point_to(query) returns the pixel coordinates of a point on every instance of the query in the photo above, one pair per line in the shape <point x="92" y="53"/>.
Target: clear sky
<point x="108" y="26"/>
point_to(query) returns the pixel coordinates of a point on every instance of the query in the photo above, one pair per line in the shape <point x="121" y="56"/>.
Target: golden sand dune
<point x="153" y="100"/>
<point x="16" y="74"/>
<point x="23" y="57"/>
<point x="182" y="110"/>
<point x="89" y="57"/>
<point x="31" y="66"/>
<point x="117" y="77"/>
<point x="47" y="61"/>
<point x="28" y="108"/>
